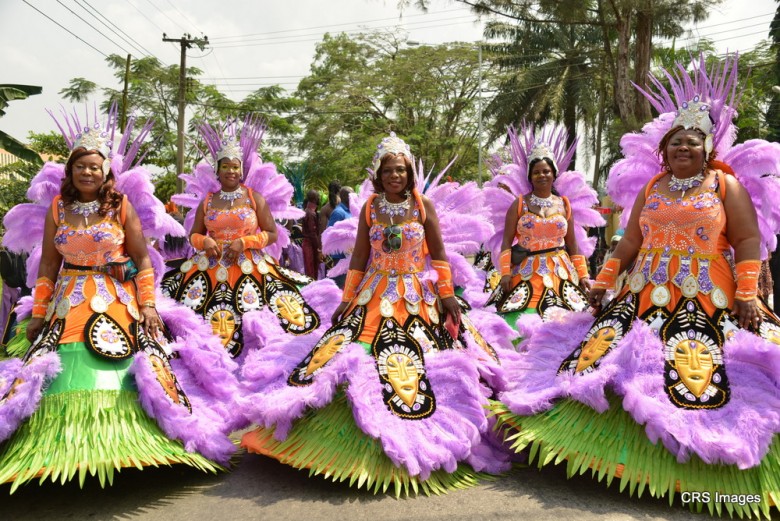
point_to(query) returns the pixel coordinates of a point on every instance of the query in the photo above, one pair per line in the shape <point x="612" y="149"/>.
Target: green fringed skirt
<point x="612" y="445"/>
<point x="89" y="422"/>
<point x="329" y="443"/>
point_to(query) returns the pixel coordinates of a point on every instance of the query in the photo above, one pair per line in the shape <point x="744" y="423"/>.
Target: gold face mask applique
<point x="399" y="361"/>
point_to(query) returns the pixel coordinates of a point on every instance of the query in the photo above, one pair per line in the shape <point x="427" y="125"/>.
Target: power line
<point x="357" y="31"/>
<point x="174" y="22"/>
<point x="66" y="29"/>
<point x="144" y="15"/>
<point x="337" y="25"/>
<point x="127" y="37"/>
<point x="183" y="15"/>
<point x="92" y="27"/>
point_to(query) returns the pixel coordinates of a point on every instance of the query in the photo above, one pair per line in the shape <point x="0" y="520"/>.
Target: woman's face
<point x="87" y="172"/>
<point x="229" y="174"/>
<point x="685" y="151"/>
<point x="542" y="175"/>
<point x="394" y="175"/>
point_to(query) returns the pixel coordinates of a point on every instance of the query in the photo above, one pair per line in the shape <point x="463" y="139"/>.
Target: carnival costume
<point x="547" y="278"/>
<point x="386" y="399"/>
<point x="94" y="393"/>
<point x="667" y="392"/>
<point x="223" y="290"/>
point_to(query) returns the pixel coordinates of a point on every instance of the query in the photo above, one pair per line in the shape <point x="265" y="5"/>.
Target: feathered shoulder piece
<point x="24" y="223"/>
<point x="685" y="98"/>
<point x="239" y="140"/>
<point x="510" y="181"/>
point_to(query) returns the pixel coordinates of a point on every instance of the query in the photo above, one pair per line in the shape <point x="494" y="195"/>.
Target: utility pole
<point x="480" y="166"/>
<point x="123" y="119"/>
<point x="186" y="42"/>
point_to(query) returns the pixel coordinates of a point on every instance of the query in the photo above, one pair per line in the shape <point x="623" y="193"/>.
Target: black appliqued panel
<point x="467" y="328"/>
<point x="105" y="337"/>
<point x="248" y="294"/>
<point x="195" y="292"/>
<point x="694" y="374"/>
<point x="48" y="340"/>
<point x="482" y="260"/>
<point x="464" y="305"/>
<point x="401" y="369"/>
<point x="769" y="329"/>
<point x="609" y="328"/>
<point x="573" y="296"/>
<point x="293" y="276"/>
<point x="549" y="302"/>
<point x="171" y="282"/>
<point x="332" y="342"/>
<point x="284" y="299"/>
<point x="159" y="363"/>
<point x="225" y="320"/>
<point x="517" y="299"/>
<point x="424" y="335"/>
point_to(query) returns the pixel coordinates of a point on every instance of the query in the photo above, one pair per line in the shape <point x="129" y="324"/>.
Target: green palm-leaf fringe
<point x="329" y="443"/>
<point x="18" y="345"/>
<point x="612" y="445"/>
<point x="89" y="433"/>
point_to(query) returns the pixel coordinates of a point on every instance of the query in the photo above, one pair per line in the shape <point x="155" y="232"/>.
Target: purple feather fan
<point x="29" y="382"/>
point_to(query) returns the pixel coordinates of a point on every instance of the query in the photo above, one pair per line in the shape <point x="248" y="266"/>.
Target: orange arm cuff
<point x="354" y="277"/>
<point x="44" y="289"/>
<point x="581" y="265"/>
<point x="145" y="283"/>
<point x="747" y="279"/>
<point x="197" y="240"/>
<point x="255" y="242"/>
<point x="444" y="284"/>
<point x="505" y="262"/>
<point x="608" y="274"/>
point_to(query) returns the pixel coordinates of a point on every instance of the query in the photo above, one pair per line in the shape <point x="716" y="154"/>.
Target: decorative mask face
<point x="595" y="347"/>
<point x="165" y="378"/>
<point x="403" y="376"/>
<point x="694" y="364"/>
<point x="291" y="310"/>
<point x="223" y="324"/>
<point x="325" y="353"/>
<point x="495" y="278"/>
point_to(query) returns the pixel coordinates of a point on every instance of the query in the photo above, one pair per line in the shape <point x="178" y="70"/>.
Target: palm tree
<point x="10" y="92"/>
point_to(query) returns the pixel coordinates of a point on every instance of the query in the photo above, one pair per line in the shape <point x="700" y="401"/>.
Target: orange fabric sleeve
<point x="44" y="289"/>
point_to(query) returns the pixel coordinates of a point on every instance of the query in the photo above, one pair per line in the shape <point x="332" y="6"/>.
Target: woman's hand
<point x="151" y="321"/>
<point x="585" y="284"/>
<point x="231" y="253"/>
<point x="505" y="283"/>
<point x="210" y="248"/>
<point x="595" y="297"/>
<point x="34" y="328"/>
<point x="339" y="311"/>
<point x="746" y="313"/>
<point x="451" y="307"/>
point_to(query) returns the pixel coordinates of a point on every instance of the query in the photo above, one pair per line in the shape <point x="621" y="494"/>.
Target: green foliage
<point x="362" y="87"/>
<point x="14" y="182"/>
<point x="10" y="92"/>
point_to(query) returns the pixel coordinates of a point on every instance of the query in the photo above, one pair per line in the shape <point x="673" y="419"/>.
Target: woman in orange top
<point x="392" y="378"/>
<point x="674" y="385"/>
<point x="541" y="266"/>
<point x="233" y="231"/>
<point x="99" y="351"/>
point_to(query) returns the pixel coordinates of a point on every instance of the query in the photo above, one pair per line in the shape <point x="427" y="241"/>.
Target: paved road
<point x="259" y="488"/>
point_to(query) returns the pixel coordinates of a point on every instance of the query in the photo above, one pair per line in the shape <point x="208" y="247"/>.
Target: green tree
<point x="773" y="112"/>
<point x="362" y="87"/>
<point x="10" y="92"/>
<point x="153" y="93"/>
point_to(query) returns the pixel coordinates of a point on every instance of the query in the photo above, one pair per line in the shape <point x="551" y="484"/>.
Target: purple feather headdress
<point x="756" y="163"/>
<point x="24" y="222"/>
<point x="262" y="178"/>
<point x="510" y="180"/>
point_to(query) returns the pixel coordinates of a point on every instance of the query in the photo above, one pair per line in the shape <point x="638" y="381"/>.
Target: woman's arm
<point x="357" y="263"/>
<point x="135" y="243"/>
<point x="198" y="238"/>
<point x="744" y="236"/>
<point x="510" y="225"/>
<point x="51" y="260"/>
<point x="437" y="252"/>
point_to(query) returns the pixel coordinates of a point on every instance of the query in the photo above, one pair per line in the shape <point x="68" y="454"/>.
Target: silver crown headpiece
<point x="541" y="150"/>
<point x="98" y="140"/>
<point x="392" y="144"/>
<point x="230" y="149"/>
<point x="696" y="115"/>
